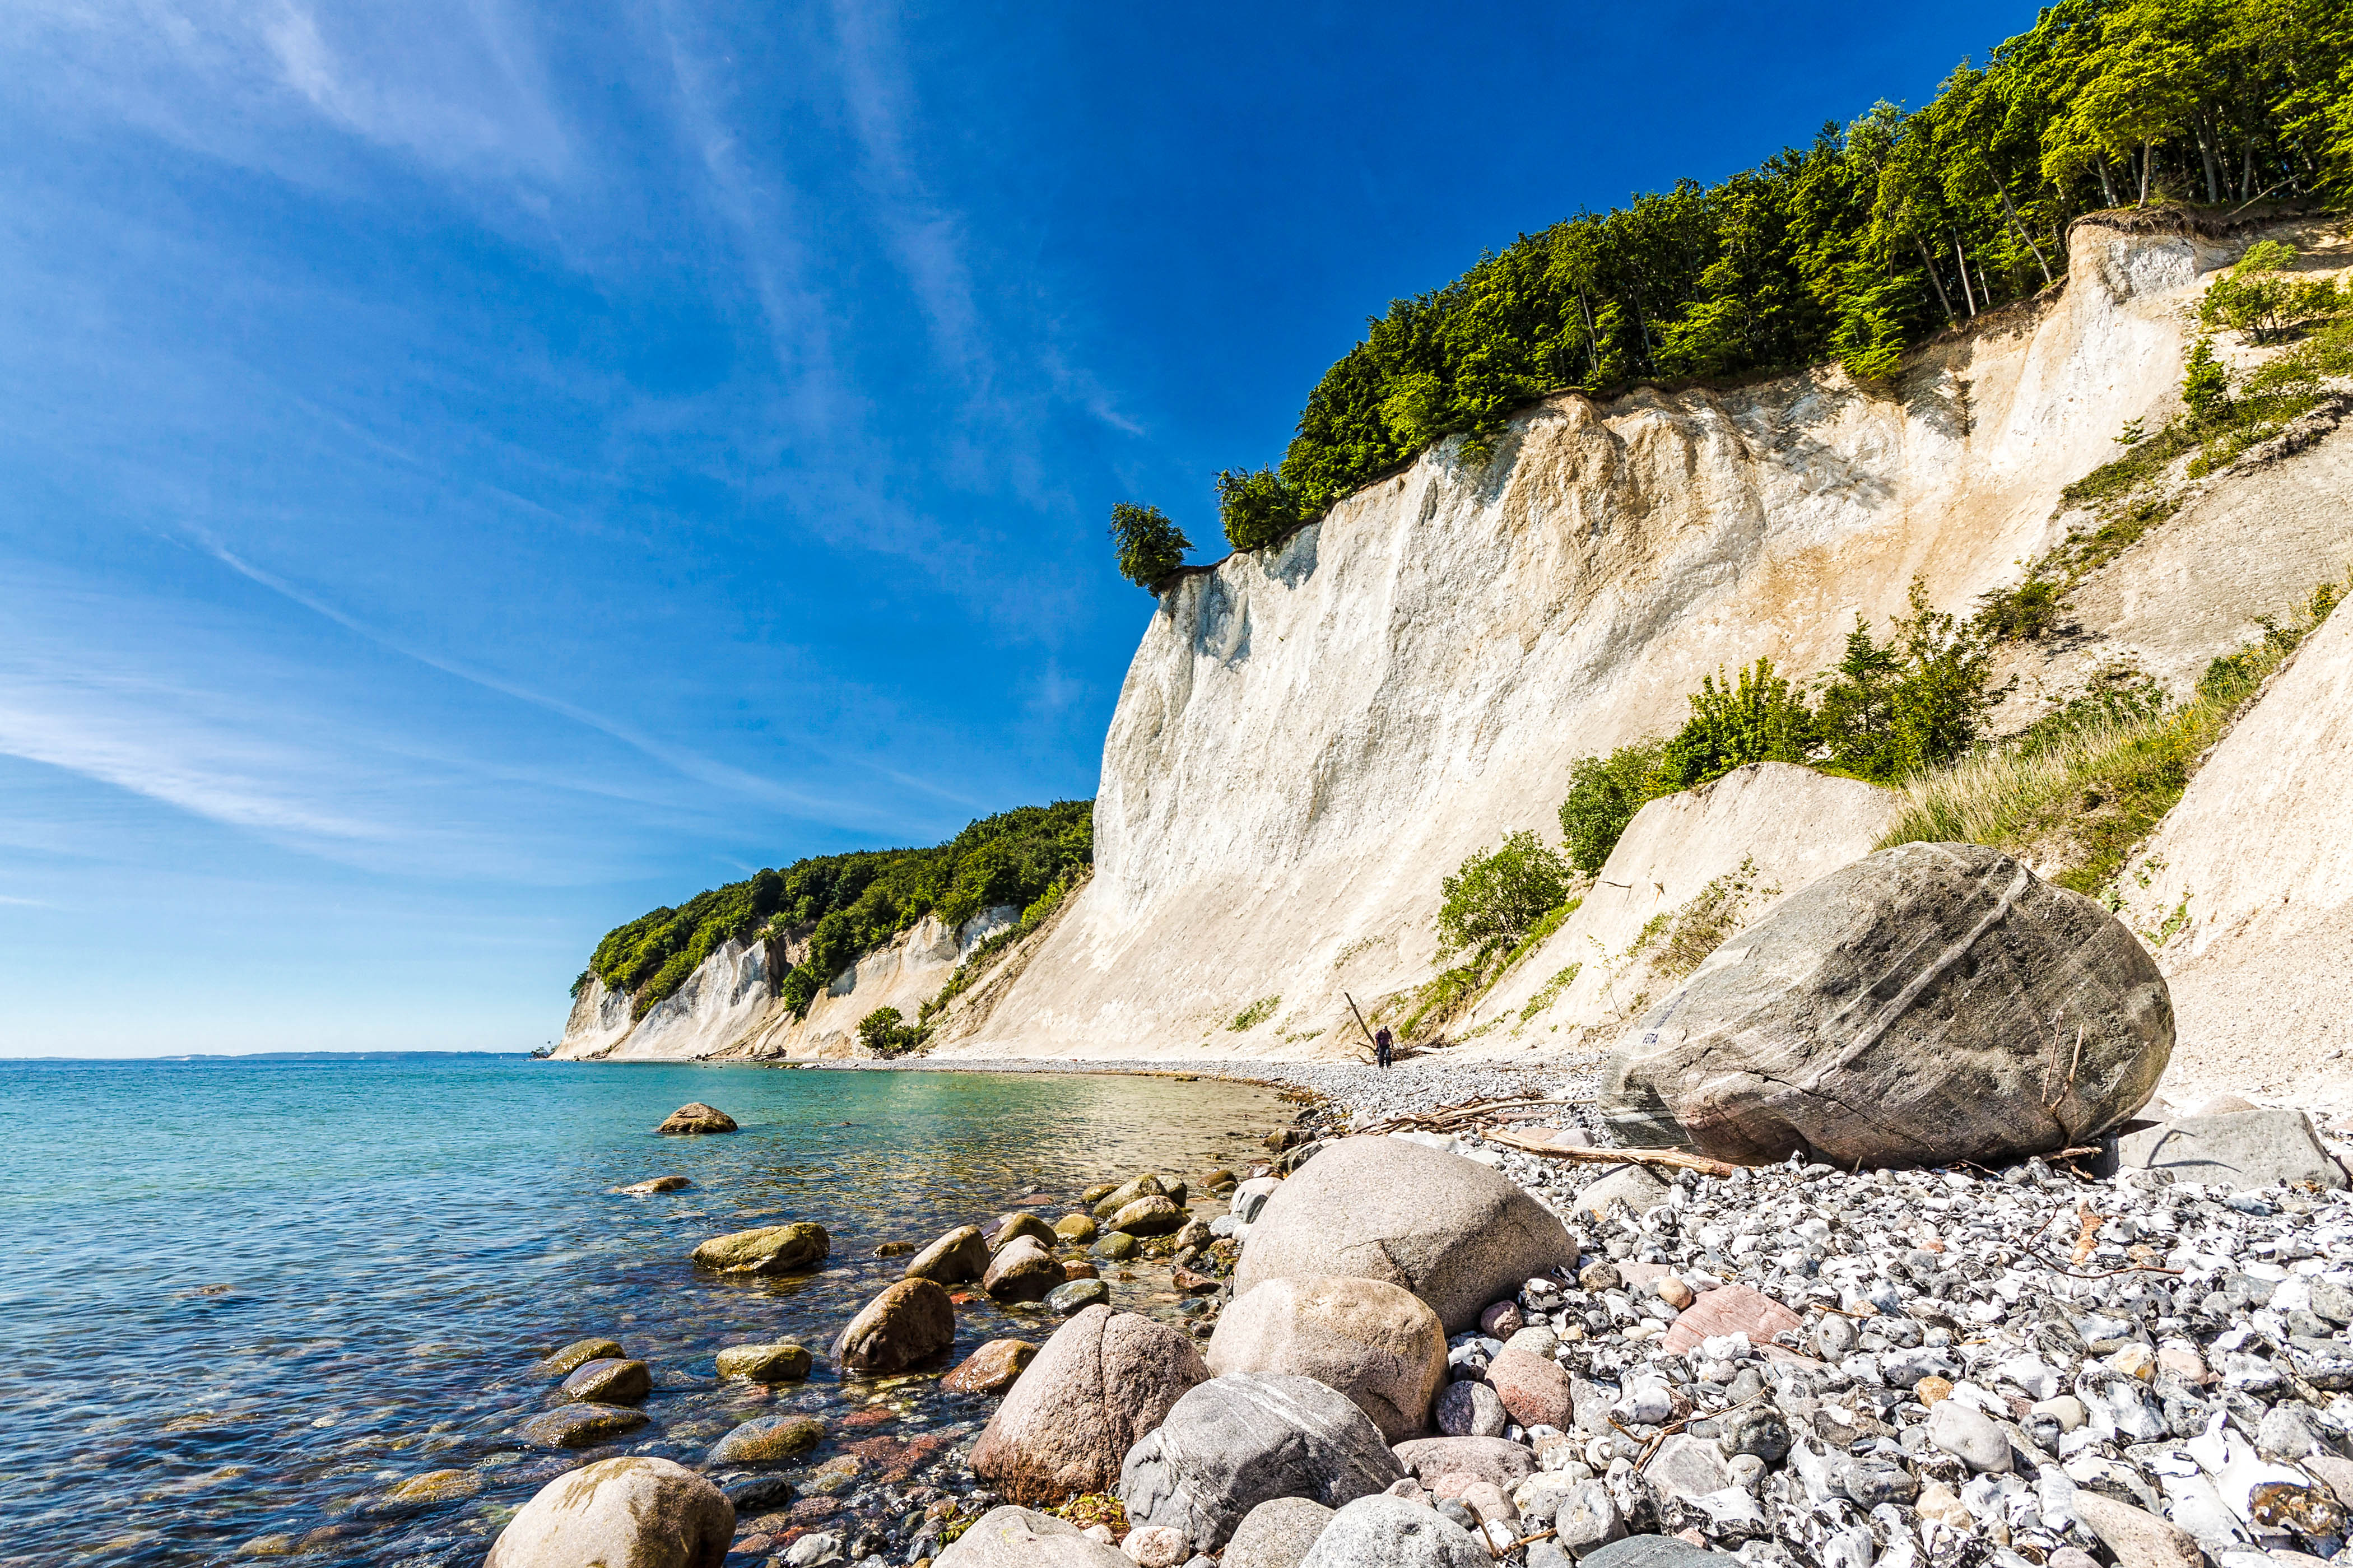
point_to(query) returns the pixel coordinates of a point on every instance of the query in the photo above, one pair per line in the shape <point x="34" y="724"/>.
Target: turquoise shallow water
<point x="243" y="1300"/>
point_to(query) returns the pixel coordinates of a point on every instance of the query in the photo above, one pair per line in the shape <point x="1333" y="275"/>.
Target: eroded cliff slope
<point x="1310" y="737"/>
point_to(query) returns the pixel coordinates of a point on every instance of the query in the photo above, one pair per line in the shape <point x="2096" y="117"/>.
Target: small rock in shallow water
<point x="608" y="1381"/>
<point x="582" y="1426"/>
<point x="767" y="1250"/>
<point x="908" y="1323"/>
<point x="437" y="1486"/>
<point x="1151" y="1215"/>
<point x="1076" y="1228"/>
<point x="655" y="1184"/>
<point x="1117" y="1248"/>
<point x="1023" y="1271"/>
<point x="991" y="1369"/>
<point x="1023" y="1224"/>
<point x="894" y="1249"/>
<point x="1072" y="1295"/>
<point x="784" y="1362"/>
<point x="768" y="1439"/>
<point x="557" y="1364"/>
<point x="695" y="1119"/>
<point x="960" y="1256"/>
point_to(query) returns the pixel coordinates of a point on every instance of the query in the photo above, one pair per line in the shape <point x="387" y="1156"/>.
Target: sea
<point x="244" y="1298"/>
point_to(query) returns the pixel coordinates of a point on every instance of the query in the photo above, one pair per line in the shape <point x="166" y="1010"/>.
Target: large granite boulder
<point x="1930" y="1003"/>
<point x="1391" y="1532"/>
<point x="1375" y="1343"/>
<point x="910" y="1322"/>
<point x="1237" y="1441"/>
<point x="2240" y="1149"/>
<point x="629" y="1512"/>
<point x="1448" y="1229"/>
<point x="1103" y="1381"/>
<point x="793" y="1248"/>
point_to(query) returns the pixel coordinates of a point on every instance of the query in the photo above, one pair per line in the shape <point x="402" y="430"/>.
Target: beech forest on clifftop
<point x="1853" y="247"/>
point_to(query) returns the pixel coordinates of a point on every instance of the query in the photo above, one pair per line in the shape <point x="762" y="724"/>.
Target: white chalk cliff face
<point x="1309" y="738"/>
<point x="728" y="1005"/>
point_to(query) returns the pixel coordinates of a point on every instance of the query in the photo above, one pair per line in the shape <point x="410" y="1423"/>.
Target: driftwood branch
<point x="1675" y="1159"/>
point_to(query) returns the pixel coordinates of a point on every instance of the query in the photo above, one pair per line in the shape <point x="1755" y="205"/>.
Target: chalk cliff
<point x="1310" y="737"/>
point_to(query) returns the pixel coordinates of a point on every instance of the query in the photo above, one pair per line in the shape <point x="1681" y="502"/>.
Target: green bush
<point x="1604" y="794"/>
<point x="1257" y="509"/>
<point x="1499" y="895"/>
<point x="2205" y="384"/>
<point x="2256" y="299"/>
<point x="1150" y="548"/>
<point x="1889" y="709"/>
<point x="886" y="1034"/>
<point x="1756" y="718"/>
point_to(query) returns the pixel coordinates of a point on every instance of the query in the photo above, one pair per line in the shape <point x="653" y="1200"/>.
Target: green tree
<point x="1257" y="509"/>
<point x="1919" y="700"/>
<point x="1499" y="895"/>
<point x="1604" y="794"/>
<point x="2205" y="384"/>
<point x="886" y="1033"/>
<point x="1753" y="718"/>
<point x="1149" y="547"/>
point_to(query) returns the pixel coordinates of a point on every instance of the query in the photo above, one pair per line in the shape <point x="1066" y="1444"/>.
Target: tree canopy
<point x="844" y="906"/>
<point x="1853" y="246"/>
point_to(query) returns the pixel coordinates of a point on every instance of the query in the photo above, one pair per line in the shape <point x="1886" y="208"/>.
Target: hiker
<point x="1381" y="1047"/>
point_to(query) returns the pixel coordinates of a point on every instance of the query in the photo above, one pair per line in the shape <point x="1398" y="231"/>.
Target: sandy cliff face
<point x="2246" y="893"/>
<point x="1309" y="738"/>
<point x="728" y="1005"/>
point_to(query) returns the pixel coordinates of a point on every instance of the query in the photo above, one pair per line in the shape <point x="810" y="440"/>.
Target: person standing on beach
<point x="1381" y="1047"/>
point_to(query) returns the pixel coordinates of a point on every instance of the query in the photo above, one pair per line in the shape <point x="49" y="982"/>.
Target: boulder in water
<point x="1103" y="1381"/>
<point x="688" y="1121"/>
<point x="792" y="1248"/>
<point x="959" y="1256"/>
<point x="579" y="1352"/>
<point x="1152" y="1215"/>
<point x="910" y="1322"/>
<point x="782" y="1362"/>
<point x="610" y="1381"/>
<point x="768" y="1440"/>
<point x="1452" y="1231"/>
<point x="992" y="1368"/>
<point x="1927" y="1003"/>
<point x="582" y="1426"/>
<point x="643" y="1512"/>
<point x="653" y="1185"/>
<point x="1023" y="1272"/>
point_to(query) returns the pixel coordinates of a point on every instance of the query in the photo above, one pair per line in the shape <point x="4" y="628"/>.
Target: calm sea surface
<point x="241" y="1300"/>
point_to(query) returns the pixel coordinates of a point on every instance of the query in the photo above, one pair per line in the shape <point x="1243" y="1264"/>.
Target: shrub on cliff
<point x="1755" y="717"/>
<point x="1257" y="509"/>
<point x="1499" y="895"/>
<point x="1150" y="547"/>
<point x="1604" y="794"/>
<point x="886" y="1034"/>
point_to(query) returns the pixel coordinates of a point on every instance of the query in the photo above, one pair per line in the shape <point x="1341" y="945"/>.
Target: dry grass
<point x="2074" y="799"/>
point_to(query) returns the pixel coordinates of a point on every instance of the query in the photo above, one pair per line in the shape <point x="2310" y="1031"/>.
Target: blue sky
<point x="474" y="470"/>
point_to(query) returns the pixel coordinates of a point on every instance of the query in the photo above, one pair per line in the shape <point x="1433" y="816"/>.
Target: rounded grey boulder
<point x="1378" y="1344"/>
<point x="1448" y="1229"/>
<point x="1242" y="1439"/>
<point x="1391" y="1532"/>
<point x="1277" y="1534"/>
<point x="1103" y="1381"/>
<point x="634" y="1510"/>
<point x="1930" y="1003"/>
